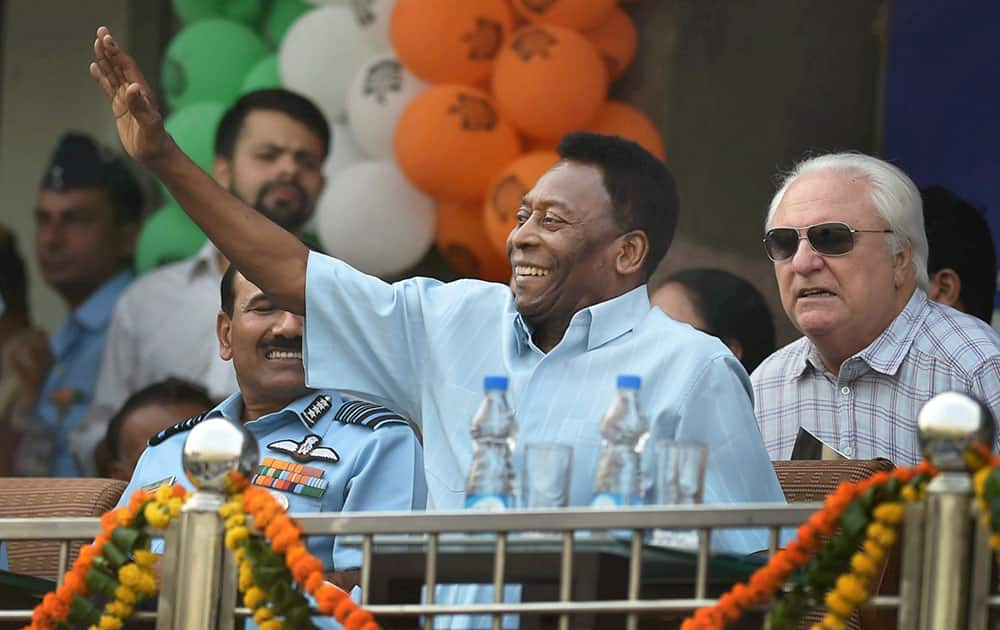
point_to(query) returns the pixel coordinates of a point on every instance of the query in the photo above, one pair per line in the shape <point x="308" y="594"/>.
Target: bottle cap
<point x="493" y="383"/>
<point x="628" y="381"/>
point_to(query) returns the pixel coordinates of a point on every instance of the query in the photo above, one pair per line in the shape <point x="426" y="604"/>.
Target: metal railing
<point x="945" y="573"/>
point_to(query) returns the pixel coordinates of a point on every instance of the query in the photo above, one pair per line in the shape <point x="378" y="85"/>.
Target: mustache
<point x="282" y="343"/>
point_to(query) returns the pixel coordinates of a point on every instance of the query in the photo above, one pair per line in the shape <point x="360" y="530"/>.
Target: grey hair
<point x="894" y="194"/>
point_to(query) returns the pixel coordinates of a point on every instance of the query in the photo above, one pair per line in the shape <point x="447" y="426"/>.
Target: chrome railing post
<point x="199" y="562"/>
<point x="952" y="427"/>
<point x="216" y="453"/>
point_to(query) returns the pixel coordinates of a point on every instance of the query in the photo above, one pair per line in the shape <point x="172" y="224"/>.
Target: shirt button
<point x="847" y="450"/>
<point x="845" y="390"/>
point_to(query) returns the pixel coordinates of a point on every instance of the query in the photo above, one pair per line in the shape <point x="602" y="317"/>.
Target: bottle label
<point x="611" y="500"/>
<point x="489" y="502"/>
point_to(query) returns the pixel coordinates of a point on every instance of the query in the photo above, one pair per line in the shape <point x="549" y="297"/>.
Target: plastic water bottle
<point x="492" y="484"/>
<point x="625" y="431"/>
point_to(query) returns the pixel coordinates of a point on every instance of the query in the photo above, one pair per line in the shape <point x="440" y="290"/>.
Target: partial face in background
<point x="143" y="423"/>
<point x="844" y="301"/>
<point x="674" y="300"/>
<point x="264" y="344"/>
<point x="563" y="249"/>
<point x="78" y="241"/>
<point x="276" y="168"/>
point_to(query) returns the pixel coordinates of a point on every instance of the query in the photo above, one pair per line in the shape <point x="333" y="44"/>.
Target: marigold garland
<point x="118" y="564"/>
<point x="259" y="563"/>
<point x="846" y="503"/>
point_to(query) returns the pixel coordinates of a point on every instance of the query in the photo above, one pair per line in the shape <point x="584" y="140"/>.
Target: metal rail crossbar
<point x="498" y="539"/>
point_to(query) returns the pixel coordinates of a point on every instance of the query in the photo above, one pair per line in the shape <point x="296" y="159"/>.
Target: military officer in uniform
<point x="320" y="452"/>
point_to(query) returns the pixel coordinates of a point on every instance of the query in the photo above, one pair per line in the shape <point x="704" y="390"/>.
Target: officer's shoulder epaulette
<point x="367" y="414"/>
<point x="180" y="427"/>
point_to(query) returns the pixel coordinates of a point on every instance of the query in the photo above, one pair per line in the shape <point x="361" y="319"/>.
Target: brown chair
<point x="25" y="497"/>
<point x="812" y="480"/>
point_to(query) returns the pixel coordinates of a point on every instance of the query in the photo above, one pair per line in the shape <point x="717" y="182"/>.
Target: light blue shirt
<point x="423" y="347"/>
<point x="379" y="464"/>
<point x="68" y="389"/>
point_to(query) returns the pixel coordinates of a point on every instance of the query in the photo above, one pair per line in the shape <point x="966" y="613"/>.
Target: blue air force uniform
<point x="322" y="453"/>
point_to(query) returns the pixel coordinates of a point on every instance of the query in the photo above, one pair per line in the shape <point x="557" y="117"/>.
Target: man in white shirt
<point x="270" y="147"/>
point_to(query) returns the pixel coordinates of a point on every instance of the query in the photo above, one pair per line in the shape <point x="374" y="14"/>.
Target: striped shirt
<point x="870" y="408"/>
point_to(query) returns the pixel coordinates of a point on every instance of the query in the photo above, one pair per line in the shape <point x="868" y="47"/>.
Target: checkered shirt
<point x="870" y="408"/>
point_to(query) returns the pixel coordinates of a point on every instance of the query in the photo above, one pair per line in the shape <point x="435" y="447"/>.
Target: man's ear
<point x="946" y="287"/>
<point x="222" y="171"/>
<point x="903" y="262"/>
<point x="223" y="330"/>
<point x="634" y="247"/>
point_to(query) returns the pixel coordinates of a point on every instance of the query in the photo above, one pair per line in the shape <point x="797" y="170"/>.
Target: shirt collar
<point x="606" y="320"/>
<point x="314" y="420"/>
<point x="93" y="314"/>
<point x="886" y="353"/>
<point x="207" y="259"/>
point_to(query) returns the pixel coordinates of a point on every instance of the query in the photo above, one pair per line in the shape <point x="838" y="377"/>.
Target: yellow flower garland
<point x="137" y="578"/>
<point x="854" y="588"/>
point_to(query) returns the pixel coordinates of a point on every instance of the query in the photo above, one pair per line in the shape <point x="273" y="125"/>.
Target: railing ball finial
<point x="953" y="426"/>
<point x="218" y="452"/>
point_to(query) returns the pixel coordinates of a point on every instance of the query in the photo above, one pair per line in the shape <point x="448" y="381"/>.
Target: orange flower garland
<point x="766" y="581"/>
<point x="55" y="607"/>
<point x="284" y="534"/>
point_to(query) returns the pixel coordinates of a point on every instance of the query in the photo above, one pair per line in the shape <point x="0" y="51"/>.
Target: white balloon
<point x="373" y="17"/>
<point x="381" y="89"/>
<point x="345" y="152"/>
<point x="319" y="55"/>
<point x="372" y="217"/>
<point x="327" y="1"/>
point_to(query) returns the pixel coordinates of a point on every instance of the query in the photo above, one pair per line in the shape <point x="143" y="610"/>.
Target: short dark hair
<point x="958" y="237"/>
<point x="642" y="190"/>
<point x="732" y="309"/>
<point x="227" y="292"/>
<point x="170" y="391"/>
<point x="13" y="277"/>
<point x="295" y="106"/>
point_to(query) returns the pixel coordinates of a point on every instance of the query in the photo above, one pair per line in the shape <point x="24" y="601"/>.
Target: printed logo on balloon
<point x="383" y="78"/>
<point x="533" y="42"/>
<point x="476" y="114"/>
<point x="484" y="42"/>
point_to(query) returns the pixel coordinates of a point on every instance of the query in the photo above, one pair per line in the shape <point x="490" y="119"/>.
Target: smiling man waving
<point x="588" y="236"/>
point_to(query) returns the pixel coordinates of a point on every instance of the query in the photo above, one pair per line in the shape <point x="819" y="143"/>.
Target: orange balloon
<point x="549" y="80"/>
<point x="580" y="15"/>
<point x="503" y="197"/>
<point x="621" y="119"/>
<point x="462" y="240"/>
<point x="450" y="41"/>
<point x="616" y="39"/>
<point x="450" y="141"/>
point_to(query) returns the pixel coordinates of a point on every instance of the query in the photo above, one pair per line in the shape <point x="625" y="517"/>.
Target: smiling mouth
<point x="284" y="354"/>
<point x="524" y="270"/>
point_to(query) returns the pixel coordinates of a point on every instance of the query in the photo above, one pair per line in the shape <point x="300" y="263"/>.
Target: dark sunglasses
<point x="828" y="239"/>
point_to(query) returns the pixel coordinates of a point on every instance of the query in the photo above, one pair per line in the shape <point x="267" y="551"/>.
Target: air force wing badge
<point x="308" y="450"/>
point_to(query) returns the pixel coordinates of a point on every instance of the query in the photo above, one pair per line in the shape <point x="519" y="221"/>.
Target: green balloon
<point x="167" y="236"/>
<point x="246" y="11"/>
<point x="282" y="15"/>
<point x="264" y="75"/>
<point x="193" y="129"/>
<point x="207" y="61"/>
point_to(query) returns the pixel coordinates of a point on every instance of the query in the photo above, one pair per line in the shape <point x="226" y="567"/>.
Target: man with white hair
<point x="846" y="235"/>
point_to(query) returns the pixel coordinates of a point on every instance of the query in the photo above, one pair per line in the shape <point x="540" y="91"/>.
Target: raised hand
<point x="137" y="116"/>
